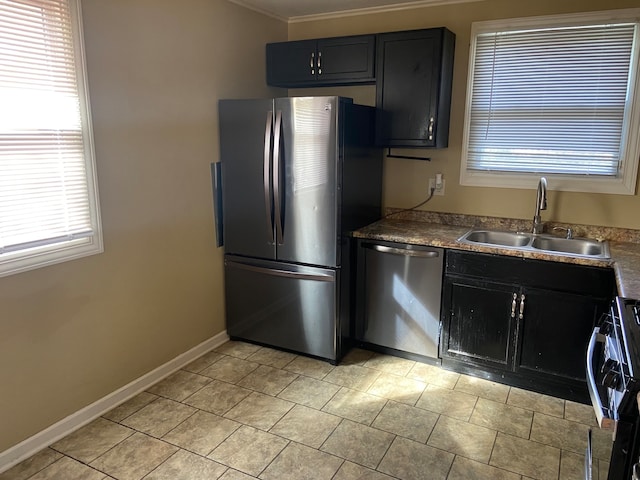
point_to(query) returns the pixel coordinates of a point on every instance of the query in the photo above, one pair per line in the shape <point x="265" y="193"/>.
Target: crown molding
<point x="349" y="12"/>
<point x="249" y="6"/>
<point x="373" y="10"/>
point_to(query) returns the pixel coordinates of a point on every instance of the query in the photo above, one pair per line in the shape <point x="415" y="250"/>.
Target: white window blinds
<point x="47" y="195"/>
<point x="550" y="100"/>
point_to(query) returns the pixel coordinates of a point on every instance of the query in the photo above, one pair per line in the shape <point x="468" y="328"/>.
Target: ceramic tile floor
<point x="243" y="412"/>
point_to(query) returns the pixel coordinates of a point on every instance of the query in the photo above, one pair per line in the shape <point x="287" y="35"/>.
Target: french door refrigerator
<point x="297" y="175"/>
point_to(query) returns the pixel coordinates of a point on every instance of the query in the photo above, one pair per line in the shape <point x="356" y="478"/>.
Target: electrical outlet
<point x="437" y="191"/>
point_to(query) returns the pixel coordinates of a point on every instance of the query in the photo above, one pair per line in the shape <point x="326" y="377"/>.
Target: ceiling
<point x="300" y="10"/>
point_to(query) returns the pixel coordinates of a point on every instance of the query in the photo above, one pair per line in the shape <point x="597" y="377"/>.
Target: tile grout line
<point x="334" y="475"/>
<point x="162" y="463"/>
<point x="395" y="436"/>
<point x="455" y="455"/>
<point x="275" y="457"/>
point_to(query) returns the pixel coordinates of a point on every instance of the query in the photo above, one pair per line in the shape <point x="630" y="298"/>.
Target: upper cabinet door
<point x="323" y="62"/>
<point x="291" y="63"/>
<point x="414" y="71"/>
<point x="346" y="60"/>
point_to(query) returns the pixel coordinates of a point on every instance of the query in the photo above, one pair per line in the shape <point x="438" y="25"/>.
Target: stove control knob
<point x="610" y="374"/>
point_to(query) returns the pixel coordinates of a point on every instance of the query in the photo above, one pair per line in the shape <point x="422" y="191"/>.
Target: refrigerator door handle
<point x="276" y="177"/>
<point x="319" y="277"/>
<point x="267" y="176"/>
<point x="216" y="183"/>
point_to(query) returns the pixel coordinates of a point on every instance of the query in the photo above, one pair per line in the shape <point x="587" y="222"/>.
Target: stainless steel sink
<point x="577" y="247"/>
<point x="507" y="239"/>
<point x="574" y="246"/>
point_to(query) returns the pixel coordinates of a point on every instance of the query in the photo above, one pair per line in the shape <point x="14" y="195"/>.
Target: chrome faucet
<point x="541" y="204"/>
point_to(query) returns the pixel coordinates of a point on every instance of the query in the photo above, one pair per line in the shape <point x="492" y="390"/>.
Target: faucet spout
<point x="541" y="204"/>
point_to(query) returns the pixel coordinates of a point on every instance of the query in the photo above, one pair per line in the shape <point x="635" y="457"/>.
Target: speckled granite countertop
<point x="626" y="263"/>
<point x="443" y="230"/>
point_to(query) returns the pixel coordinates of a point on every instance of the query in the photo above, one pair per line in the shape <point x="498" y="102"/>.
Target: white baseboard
<point x="64" y="427"/>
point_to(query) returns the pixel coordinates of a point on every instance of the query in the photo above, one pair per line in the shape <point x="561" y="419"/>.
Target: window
<point x="48" y="191"/>
<point x="554" y="96"/>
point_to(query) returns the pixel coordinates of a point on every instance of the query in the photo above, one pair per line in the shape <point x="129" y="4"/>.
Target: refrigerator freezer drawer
<point x="282" y="305"/>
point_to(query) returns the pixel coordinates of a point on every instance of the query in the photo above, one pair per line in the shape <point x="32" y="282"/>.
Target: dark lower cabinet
<point x="554" y="332"/>
<point x="527" y="322"/>
<point x="479" y="307"/>
<point x="321" y="62"/>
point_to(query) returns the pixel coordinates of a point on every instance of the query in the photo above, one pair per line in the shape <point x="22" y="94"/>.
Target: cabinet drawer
<point x="563" y="277"/>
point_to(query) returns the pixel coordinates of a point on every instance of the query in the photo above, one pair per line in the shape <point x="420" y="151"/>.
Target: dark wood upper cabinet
<point x="414" y="72"/>
<point x="321" y="62"/>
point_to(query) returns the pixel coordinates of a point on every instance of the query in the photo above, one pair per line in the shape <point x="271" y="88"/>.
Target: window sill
<point x="567" y="183"/>
<point x="22" y="261"/>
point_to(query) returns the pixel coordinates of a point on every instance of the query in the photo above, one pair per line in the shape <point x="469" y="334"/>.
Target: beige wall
<point x="406" y="180"/>
<point x="74" y="332"/>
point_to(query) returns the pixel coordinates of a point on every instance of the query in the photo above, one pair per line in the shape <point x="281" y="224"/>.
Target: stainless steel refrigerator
<point x="296" y="175"/>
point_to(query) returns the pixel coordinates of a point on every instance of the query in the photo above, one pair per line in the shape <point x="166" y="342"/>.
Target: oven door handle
<point x="603" y="414"/>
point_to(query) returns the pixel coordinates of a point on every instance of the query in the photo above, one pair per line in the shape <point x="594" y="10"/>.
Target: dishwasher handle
<point x="402" y="251"/>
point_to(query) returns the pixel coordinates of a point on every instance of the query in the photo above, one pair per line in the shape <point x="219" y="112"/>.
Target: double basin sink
<point x="576" y="247"/>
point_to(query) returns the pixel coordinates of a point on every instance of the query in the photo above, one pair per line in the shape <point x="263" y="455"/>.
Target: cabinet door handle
<point x="312" y="63"/>
<point x="319" y="64"/>
<point x="513" y="305"/>
<point x="521" y="316"/>
<point x="432" y="122"/>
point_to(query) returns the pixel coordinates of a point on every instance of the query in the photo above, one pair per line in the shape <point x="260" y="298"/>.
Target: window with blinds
<point x="554" y="96"/>
<point x="48" y="195"/>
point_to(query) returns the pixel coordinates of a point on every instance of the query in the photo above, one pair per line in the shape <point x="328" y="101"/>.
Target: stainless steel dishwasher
<point x="399" y="294"/>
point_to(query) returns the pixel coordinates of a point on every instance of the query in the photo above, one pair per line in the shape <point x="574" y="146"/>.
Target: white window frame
<point x="625" y="182"/>
<point x="49" y="253"/>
